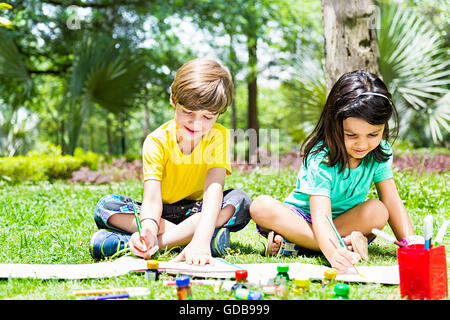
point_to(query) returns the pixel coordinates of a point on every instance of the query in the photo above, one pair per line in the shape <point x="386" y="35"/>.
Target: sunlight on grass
<point x="53" y="223"/>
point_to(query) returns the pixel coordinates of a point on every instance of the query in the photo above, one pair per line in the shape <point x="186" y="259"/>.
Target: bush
<point x="37" y="166"/>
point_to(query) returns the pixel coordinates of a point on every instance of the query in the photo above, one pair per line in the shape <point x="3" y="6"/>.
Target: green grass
<point x="53" y="223"/>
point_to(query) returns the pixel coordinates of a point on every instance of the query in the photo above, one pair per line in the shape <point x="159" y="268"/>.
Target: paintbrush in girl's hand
<point x="341" y="241"/>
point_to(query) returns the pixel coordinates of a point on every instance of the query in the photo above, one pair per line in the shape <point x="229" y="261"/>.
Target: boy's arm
<point x="398" y="217"/>
<point x="339" y="257"/>
<point x="150" y="215"/>
<point x="198" y="251"/>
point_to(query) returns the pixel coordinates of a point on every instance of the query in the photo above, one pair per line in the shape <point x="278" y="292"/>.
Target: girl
<point x="346" y="152"/>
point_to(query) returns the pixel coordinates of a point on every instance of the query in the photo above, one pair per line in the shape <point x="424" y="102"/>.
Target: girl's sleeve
<point x="316" y="179"/>
<point x="152" y="159"/>
<point x="384" y="169"/>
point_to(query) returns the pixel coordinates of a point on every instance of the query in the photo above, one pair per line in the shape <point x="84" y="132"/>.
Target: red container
<point x="423" y="273"/>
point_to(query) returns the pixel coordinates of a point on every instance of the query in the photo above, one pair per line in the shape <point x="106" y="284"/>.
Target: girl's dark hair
<point x="358" y="94"/>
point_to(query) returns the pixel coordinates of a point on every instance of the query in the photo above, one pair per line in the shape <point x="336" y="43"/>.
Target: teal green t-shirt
<point x="345" y="191"/>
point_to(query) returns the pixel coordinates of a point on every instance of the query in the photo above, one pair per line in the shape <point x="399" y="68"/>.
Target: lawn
<point x="53" y="223"/>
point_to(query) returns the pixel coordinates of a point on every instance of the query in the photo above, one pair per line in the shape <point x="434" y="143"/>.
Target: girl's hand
<point x="343" y="259"/>
<point x="144" y="246"/>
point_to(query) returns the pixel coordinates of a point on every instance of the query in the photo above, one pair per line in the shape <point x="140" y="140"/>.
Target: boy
<point x="185" y="162"/>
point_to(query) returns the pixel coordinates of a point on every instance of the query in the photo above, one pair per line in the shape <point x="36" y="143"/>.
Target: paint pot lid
<point x="240" y="274"/>
<point x="254" y="295"/>
<point x="341" y="289"/>
<point x="330" y="273"/>
<point x="301" y="282"/>
<point x="282" y="268"/>
<point x="152" y="264"/>
<point x="183" y="280"/>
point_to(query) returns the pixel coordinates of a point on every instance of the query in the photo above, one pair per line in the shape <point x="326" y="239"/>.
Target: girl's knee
<point x="378" y="212"/>
<point x="260" y="206"/>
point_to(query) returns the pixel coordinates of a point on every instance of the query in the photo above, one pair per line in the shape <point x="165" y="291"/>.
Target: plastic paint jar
<point x="301" y="285"/>
<point x="184" y="291"/>
<point x="341" y="291"/>
<point x="152" y="274"/>
<point x="329" y="277"/>
<point x="245" y="294"/>
<point x="241" y="276"/>
<point x="282" y="274"/>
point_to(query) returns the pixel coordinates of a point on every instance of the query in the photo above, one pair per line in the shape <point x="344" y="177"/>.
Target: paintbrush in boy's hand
<point x="139" y="227"/>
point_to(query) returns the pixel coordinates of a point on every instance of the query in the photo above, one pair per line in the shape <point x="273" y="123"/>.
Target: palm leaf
<point x="414" y="66"/>
<point x="439" y="117"/>
<point x="110" y="76"/>
<point x="105" y="74"/>
<point x="307" y="96"/>
<point x="13" y="69"/>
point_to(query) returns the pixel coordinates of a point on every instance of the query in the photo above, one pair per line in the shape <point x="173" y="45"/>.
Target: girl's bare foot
<point x="274" y="241"/>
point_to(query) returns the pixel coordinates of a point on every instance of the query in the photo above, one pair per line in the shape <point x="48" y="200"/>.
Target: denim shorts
<point x="175" y="212"/>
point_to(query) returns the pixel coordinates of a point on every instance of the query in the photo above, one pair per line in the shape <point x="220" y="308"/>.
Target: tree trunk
<point x="108" y="135"/>
<point x="122" y="135"/>
<point x="63" y="134"/>
<point x="232" y="67"/>
<point x="350" y="38"/>
<point x="252" y="86"/>
<point x="146" y="120"/>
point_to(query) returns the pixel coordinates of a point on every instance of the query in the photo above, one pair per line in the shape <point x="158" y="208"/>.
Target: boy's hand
<point x="343" y="259"/>
<point x="195" y="254"/>
<point x="144" y="246"/>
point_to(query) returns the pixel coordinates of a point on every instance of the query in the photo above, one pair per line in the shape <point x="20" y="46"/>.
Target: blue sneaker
<point x="220" y="242"/>
<point x="106" y="243"/>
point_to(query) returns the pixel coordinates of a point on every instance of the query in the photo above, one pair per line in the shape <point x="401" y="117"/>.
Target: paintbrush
<point x="341" y="241"/>
<point x="387" y="237"/>
<point x="441" y="233"/>
<point x="138" y="224"/>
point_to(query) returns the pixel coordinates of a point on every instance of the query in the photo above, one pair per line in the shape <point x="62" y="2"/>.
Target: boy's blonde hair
<point x="203" y="84"/>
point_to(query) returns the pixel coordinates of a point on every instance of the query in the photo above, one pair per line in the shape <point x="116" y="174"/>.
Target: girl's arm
<point x="198" y="250"/>
<point x="151" y="208"/>
<point x="398" y="217"/>
<point x="340" y="258"/>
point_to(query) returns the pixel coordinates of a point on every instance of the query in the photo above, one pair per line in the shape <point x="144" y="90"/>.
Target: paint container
<point x="241" y="276"/>
<point x="423" y="272"/>
<point x="301" y="285"/>
<point x="184" y="291"/>
<point x="282" y="274"/>
<point x="152" y="274"/>
<point x="329" y="277"/>
<point x="341" y="291"/>
<point x="280" y="290"/>
<point x="270" y="289"/>
<point x="232" y="285"/>
<point x="241" y="281"/>
<point x="245" y="294"/>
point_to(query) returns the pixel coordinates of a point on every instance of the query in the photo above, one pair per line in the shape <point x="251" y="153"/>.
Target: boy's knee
<point x="240" y="201"/>
<point x="260" y="205"/>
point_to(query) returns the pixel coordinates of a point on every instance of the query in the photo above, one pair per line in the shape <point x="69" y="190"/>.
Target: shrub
<point x="37" y="166"/>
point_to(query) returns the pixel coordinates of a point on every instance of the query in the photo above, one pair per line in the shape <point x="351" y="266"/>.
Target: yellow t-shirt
<point x="183" y="176"/>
